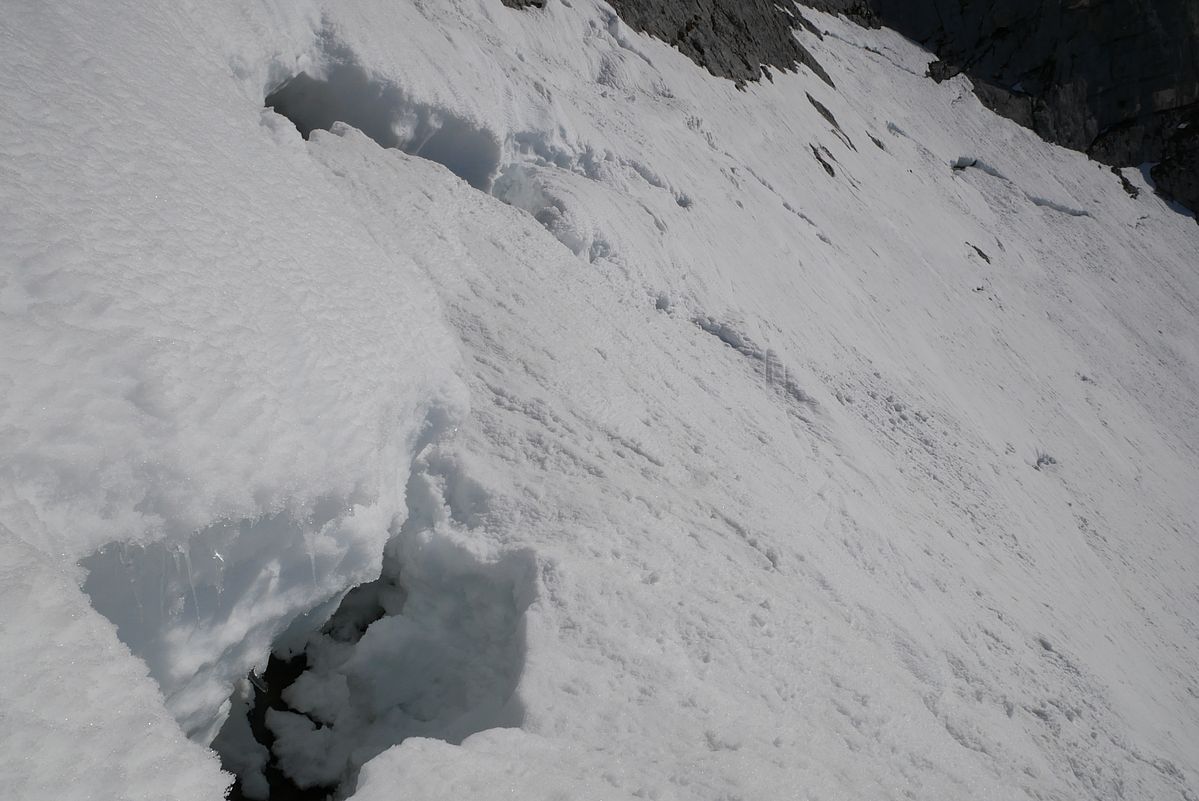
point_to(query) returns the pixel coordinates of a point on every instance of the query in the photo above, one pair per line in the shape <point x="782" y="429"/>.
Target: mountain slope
<point x="1117" y="80"/>
<point x="725" y="444"/>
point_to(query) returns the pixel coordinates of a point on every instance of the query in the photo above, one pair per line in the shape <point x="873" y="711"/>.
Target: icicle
<point x="220" y="576"/>
<point x="131" y="574"/>
<point x="162" y="589"/>
<point x="181" y="554"/>
<point x="434" y="122"/>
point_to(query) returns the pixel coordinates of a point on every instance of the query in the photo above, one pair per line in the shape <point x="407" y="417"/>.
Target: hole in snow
<point x="971" y="163"/>
<point x="219" y="593"/>
<point x="347" y="93"/>
<point x="433" y="648"/>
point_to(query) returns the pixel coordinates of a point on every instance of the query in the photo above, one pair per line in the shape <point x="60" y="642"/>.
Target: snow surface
<point x="794" y="442"/>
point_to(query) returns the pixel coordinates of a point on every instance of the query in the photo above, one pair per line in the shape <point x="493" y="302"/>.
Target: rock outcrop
<point x="734" y="39"/>
<point x="1118" y="79"/>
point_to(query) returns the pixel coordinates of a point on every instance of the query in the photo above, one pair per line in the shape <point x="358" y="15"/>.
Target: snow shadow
<point x="347" y="93"/>
<point x="218" y="593"/>
<point x="962" y="163"/>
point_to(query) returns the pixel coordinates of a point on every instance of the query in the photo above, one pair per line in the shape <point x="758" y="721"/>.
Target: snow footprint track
<point x="766" y="364"/>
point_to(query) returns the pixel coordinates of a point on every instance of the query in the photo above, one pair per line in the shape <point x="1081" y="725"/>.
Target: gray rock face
<point x="1118" y="79"/>
<point x="1177" y="174"/>
<point x="736" y="39"/>
<point x="731" y="38"/>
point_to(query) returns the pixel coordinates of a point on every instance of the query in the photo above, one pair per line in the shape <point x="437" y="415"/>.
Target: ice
<point x="81" y="719"/>
<point x="667" y="462"/>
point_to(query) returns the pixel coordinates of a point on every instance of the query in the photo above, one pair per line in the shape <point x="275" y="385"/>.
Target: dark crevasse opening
<point x="347" y="93"/>
<point x="267" y="694"/>
<point x="261" y="776"/>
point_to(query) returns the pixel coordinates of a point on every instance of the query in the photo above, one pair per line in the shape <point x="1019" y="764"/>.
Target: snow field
<point x="743" y="501"/>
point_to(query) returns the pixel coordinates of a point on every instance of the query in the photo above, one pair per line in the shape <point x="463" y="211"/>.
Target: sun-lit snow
<point x="794" y="442"/>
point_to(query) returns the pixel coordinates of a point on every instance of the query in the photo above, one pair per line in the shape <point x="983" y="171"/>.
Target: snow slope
<point x="794" y="442"/>
<point x="214" y="380"/>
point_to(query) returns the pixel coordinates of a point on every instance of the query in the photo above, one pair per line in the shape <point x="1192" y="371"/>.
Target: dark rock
<point x="1113" y="78"/>
<point x="730" y="38"/>
<point x="1177" y="174"/>
<point x="824" y="112"/>
<point x="1117" y="79"/>
<point x="942" y="70"/>
<point x="280" y="674"/>
<point x="807" y="25"/>
<point x="1126" y="184"/>
<point x="828" y="115"/>
<point x="860" y="11"/>
<point x="823" y="163"/>
<point x="1125" y="143"/>
<point x="1016" y="106"/>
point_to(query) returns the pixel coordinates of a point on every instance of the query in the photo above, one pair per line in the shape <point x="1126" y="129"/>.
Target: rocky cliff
<point x="732" y="38"/>
<point x="1118" y="79"/>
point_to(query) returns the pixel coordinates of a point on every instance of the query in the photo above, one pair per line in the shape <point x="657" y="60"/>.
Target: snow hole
<point x="407" y="655"/>
<point x="347" y="93"/>
<point x="218" y="592"/>
<point x="433" y="648"/>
